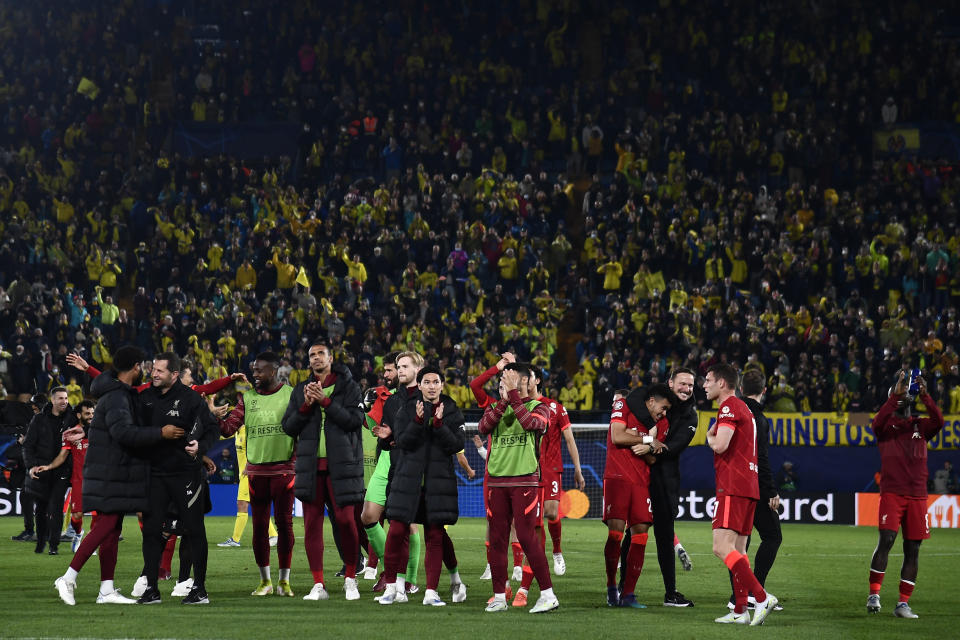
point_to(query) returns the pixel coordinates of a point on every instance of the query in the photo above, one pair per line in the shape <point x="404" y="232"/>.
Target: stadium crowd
<point x="676" y="187"/>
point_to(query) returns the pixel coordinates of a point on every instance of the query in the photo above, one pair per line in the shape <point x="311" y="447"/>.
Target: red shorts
<point x="552" y="483"/>
<point x="735" y="513"/>
<point x="910" y="511"/>
<point x="76" y="495"/>
<point x="625" y="500"/>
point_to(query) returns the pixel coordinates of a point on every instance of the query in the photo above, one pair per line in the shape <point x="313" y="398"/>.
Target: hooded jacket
<point x="117" y="469"/>
<point x="422" y="462"/>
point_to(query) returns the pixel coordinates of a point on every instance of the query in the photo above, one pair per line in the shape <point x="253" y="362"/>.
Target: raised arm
<point x="234" y="420"/>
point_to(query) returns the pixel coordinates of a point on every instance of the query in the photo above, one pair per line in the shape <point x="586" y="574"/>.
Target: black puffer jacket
<point x="340" y="423"/>
<point x="424" y="460"/>
<point x="42" y="444"/>
<point x="764" y="473"/>
<point x="116" y="471"/>
<point x="683" y="420"/>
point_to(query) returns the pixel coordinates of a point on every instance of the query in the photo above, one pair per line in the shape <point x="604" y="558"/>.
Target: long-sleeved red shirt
<point x="477" y="386"/>
<point x="232" y="423"/>
<point x="203" y="389"/>
<point x="903" y="446"/>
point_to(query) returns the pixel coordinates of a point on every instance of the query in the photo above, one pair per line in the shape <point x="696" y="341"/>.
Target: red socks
<point x="906" y="590"/>
<point x="554" y="526"/>
<point x="611" y="555"/>
<point x="638" y="546"/>
<point x="527" y="577"/>
<point x="517" y="554"/>
<point x="318" y="576"/>
<point x="739" y="565"/>
<point x="167" y="558"/>
<point x="876" y="581"/>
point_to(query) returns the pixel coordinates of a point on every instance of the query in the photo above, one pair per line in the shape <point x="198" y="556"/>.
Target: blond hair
<point x="415" y="358"/>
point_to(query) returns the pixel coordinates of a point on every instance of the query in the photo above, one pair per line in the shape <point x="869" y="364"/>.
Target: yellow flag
<point x="302" y="278"/>
<point x="88" y="88"/>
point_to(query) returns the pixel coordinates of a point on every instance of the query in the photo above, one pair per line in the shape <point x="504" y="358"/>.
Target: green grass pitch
<point x="820" y="575"/>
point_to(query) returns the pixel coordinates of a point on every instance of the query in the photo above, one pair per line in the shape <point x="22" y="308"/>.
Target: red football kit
<point x="735" y="469"/>
<point x="78" y="453"/>
<point x="903" y="466"/>
<point x="551" y="460"/>
<point x="626" y="478"/>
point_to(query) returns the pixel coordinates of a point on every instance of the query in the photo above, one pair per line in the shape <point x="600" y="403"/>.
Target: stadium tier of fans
<point x="607" y="189"/>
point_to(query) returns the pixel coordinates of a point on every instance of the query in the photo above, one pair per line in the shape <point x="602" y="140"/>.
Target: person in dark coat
<point x="176" y="473"/>
<point x="41" y="445"/>
<point x="116" y="472"/>
<point x="18" y="415"/>
<point x="325" y="414"/>
<point x="423" y="484"/>
<point x="681" y="425"/>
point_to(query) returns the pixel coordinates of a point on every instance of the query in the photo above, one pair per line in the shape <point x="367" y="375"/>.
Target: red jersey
<point x="736" y="468"/>
<point x="903" y="446"/>
<point x="550" y="457"/>
<point x="621" y="461"/>
<point x="78" y="453"/>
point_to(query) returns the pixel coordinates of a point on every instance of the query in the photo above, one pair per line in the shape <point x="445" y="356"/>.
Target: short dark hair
<point x="173" y="360"/>
<point x="391" y="358"/>
<point x="268" y="357"/>
<point x="752" y="383"/>
<point x="56" y="390"/>
<point x="678" y="370"/>
<point x="660" y="390"/>
<point x="519" y="367"/>
<point x="430" y="368"/>
<point x="320" y="342"/>
<point x="84" y="404"/>
<point x="538" y="372"/>
<point x="127" y="357"/>
<point x="726" y="372"/>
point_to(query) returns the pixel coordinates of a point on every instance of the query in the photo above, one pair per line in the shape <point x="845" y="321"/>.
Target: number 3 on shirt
<point x="555" y="487"/>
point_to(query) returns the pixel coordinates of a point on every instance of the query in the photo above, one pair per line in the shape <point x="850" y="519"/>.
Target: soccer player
<point x="324" y="415"/>
<point x="766" y="519"/>
<point x="428" y="429"/>
<point x="551" y="474"/>
<point x="376" y="465"/>
<point x="675" y="433"/>
<point x="551" y="466"/>
<point x="733" y="439"/>
<point x="514" y="423"/>
<point x="114" y="477"/>
<point x="176" y="474"/>
<point x="626" y="485"/>
<point x="74" y="448"/>
<point x="902" y="439"/>
<point x="484" y="400"/>
<point x="270" y="467"/>
<point x="408" y="364"/>
<point x="243" y="495"/>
